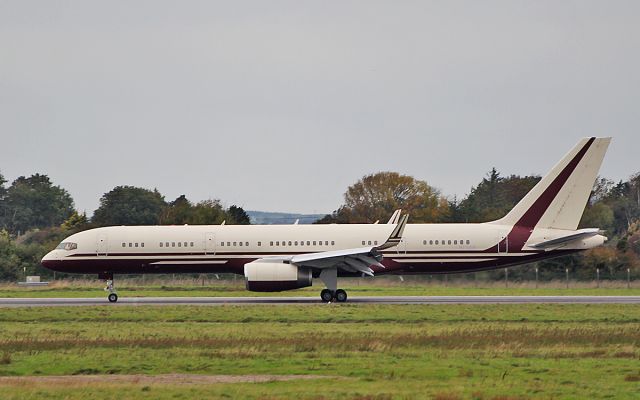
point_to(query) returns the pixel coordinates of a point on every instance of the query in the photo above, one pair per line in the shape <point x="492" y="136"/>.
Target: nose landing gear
<point x="113" y="296"/>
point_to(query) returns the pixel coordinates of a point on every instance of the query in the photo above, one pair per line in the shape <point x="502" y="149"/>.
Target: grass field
<point x="135" y="287"/>
<point x="362" y="351"/>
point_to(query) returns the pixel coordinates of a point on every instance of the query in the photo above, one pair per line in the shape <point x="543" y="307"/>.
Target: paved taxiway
<point x="36" y="302"/>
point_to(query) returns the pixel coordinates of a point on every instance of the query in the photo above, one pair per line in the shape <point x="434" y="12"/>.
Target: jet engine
<point x="275" y="276"/>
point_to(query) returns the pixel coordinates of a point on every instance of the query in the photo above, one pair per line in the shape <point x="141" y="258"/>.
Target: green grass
<point x="370" y="351"/>
<point x="355" y="287"/>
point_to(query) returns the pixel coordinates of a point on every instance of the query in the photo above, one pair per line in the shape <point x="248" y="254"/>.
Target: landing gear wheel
<point x="112" y="297"/>
<point x="341" y="296"/>
<point x="326" y="295"/>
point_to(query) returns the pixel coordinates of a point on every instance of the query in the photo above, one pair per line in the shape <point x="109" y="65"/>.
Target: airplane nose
<point x="50" y="260"/>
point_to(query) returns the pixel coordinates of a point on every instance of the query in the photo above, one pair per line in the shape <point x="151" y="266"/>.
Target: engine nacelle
<point x="274" y="276"/>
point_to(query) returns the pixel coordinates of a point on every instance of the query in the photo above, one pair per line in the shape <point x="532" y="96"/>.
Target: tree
<point x="129" y="205"/>
<point x="208" y="212"/>
<point x="494" y="197"/>
<point x="178" y="212"/>
<point x="377" y="196"/>
<point x="238" y="216"/>
<point x="34" y="202"/>
<point x="75" y="222"/>
<point x="3" y="205"/>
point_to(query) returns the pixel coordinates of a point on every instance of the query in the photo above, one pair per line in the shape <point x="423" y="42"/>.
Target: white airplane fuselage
<point x="425" y="248"/>
<point x="272" y="258"/>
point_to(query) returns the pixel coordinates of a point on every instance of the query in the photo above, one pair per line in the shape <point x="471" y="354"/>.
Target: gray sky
<point x="280" y="105"/>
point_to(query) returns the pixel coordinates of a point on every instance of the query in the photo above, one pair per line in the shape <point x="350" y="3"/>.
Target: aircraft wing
<point x="553" y="243"/>
<point x="357" y="260"/>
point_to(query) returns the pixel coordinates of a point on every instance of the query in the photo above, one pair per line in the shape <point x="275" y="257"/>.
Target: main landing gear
<point x="113" y="296"/>
<point x="330" y="278"/>
<point x="328" y="295"/>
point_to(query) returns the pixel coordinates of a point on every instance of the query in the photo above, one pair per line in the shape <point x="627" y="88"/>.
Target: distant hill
<point x="281" y="218"/>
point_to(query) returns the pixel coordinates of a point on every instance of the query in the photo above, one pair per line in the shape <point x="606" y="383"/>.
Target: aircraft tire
<point x="326" y="295"/>
<point x="112" y="297"/>
<point x="341" y="296"/>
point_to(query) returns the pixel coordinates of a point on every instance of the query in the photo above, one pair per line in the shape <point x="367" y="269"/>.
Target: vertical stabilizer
<point x="559" y="199"/>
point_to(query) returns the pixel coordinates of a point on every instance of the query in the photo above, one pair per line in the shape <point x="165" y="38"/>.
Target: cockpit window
<point x="67" y="246"/>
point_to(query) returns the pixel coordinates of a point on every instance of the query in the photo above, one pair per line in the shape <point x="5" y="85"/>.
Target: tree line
<point x="613" y="207"/>
<point x="35" y="215"/>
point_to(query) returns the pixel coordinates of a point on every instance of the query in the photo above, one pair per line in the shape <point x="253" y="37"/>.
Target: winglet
<point x="395" y="217"/>
<point x="396" y="235"/>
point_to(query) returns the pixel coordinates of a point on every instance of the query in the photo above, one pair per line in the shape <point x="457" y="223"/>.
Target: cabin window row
<point x="282" y="243"/>
<point x="177" y="244"/>
<point x="368" y="242"/>
<point x="445" y="242"/>
<point x="131" y="244"/>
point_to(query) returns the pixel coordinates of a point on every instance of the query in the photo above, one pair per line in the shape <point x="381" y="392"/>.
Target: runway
<point x="218" y="301"/>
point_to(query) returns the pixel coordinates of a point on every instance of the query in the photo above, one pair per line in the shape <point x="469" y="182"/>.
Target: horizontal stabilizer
<point x="581" y="234"/>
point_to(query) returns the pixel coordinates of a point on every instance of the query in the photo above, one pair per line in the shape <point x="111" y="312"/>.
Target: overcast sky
<point x="281" y="105"/>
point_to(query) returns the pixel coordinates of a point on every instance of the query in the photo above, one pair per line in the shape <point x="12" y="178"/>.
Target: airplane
<point x="285" y="257"/>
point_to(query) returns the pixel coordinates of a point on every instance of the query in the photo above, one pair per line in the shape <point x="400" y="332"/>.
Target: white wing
<point x="358" y="260"/>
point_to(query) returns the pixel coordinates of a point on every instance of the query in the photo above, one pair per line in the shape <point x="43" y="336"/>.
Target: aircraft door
<point x="503" y="243"/>
<point x="101" y="245"/>
<point x="209" y="244"/>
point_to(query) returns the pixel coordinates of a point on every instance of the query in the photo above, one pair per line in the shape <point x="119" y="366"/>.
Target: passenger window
<point x="259" y="243"/>
<point x="468" y="242"/>
<point x="166" y="244"/>
<point x="436" y="242"/>
<point x="289" y="242"/>
<point x="375" y="242"/>
<point x="332" y="242"/>
<point x="363" y="242"/>
<point x="455" y="242"/>
<point x="222" y="244"/>
<point x="308" y="242"/>
<point x="228" y="244"/>
<point x="141" y="244"/>
<point x="246" y="243"/>
<point x="179" y="244"/>
<point x="173" y="244"/>
<point x="302" y="243"/>
<point x="124" y="245"/>
<point x="369" y="242"/>
<point x="160" y="244"/>
<point x="431" y="242"/>
<point x="424" y="242"/>
<point x="235" y="244"/>
<point x="314" y="242"/>
<point x="449" y="242"/>
<point x="277" y="243"/>
<point x="320" y="243"/>
<point x="136" y="244"/>
<point x="240" y="244"/>
<point x="444" y="242"/>
<point x="296" y="242"/>
<point x="185" y="244"/>
<point x="270" y="243"/>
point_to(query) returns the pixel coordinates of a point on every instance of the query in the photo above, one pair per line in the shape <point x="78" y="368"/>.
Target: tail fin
<point x="559" y="199"/>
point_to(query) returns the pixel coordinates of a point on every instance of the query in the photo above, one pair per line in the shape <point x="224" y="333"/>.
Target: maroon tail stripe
<point x="538" y="208"/>
<point x="522" y="229"/>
